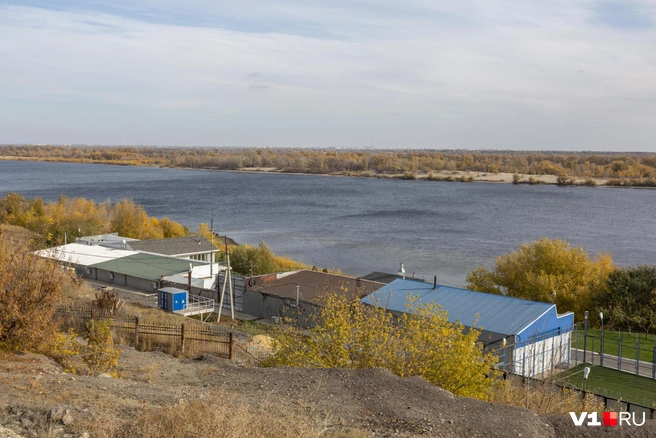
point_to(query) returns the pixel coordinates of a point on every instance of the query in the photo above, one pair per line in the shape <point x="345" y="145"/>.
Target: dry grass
<point x="147" y="373"/>
<point x="157" y="316"/>
<point x="79" y="294"/>
<point x="17" y="237"/>
<point x="224" y="417"/>
<point x="543" y="398"/>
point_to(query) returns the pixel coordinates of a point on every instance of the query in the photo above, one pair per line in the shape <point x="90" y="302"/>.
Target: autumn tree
<point x="30" y="287"/>
<point x="629" y="300"/>
<point x="204" y="230"/>
<point x="350" y="334"/>
<point x="129" y="219"/>
<point x="82" y="217"/>
<point x="261" y="259"/>
<point x="539" y="269"/>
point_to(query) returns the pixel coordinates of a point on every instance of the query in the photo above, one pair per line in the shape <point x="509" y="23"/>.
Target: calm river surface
<point x="361" y="225"/>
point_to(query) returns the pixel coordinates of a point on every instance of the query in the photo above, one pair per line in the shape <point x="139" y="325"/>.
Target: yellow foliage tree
<point x="100" y="354"/>
<point x="30" y="287"/>
<point x="538" y="269"/>
<point x="81" y="217"/>
<point x="350" y="334"/>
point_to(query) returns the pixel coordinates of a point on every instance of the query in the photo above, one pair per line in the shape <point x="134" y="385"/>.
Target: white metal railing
<point x="197" y="303"/>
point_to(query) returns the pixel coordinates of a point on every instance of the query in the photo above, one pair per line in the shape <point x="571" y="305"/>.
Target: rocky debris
<point x="56" y="413"/>
<point x="61" y="414"/>
<point x="8" y="433"/>
<point x="67" y="418"/>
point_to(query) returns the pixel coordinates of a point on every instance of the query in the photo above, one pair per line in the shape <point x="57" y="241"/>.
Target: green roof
<point x="147" y="266"/>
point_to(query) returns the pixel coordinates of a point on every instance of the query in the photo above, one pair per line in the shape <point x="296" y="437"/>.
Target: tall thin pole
<point x="298" y="295"/>
<point x="601" y="358"/>
<point x="225" y="278"/>
<point x="585" y="336"/>
<point x="232" y="300"/>
<point x="212" y="253"/>
<point x="189" y="279"/>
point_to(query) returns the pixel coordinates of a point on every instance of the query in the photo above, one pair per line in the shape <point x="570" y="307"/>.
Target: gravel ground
<point x="372" y="400"/>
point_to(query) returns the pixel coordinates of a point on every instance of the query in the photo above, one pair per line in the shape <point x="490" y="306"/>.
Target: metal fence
<point x="539" y="356"/>
<point x="614" y="350"/>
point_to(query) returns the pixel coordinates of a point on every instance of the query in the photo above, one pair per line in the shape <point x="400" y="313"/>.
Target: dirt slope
<point x="373" y="400"/>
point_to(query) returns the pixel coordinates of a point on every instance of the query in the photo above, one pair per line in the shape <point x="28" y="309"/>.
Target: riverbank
<point x="449" y="176"/>
<point x="624" y="169"/>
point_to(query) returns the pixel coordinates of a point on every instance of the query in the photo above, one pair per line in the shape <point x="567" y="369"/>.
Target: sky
<point x="466" y="74"/>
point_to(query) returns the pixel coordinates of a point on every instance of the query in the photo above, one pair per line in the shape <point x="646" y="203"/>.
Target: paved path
<point x="627" y="365"/>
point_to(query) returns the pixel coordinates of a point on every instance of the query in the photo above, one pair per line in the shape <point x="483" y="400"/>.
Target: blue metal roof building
<point x="499" y="316"/>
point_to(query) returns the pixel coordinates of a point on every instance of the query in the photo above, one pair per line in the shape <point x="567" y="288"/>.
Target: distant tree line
<point x="624" y="168"/>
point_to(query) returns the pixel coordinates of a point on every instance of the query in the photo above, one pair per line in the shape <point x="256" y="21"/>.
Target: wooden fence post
<point x="136" y="331"/>
<point x="91" y="312"/>
<point x="230" y="347"/>
<point x="182" y="338"/>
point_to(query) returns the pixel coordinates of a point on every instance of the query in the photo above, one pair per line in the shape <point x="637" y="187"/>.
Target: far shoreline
<point x="442" y="176"/>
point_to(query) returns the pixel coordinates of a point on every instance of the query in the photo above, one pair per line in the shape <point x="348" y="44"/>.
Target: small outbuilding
<point x="174" y="300"/>
<point x="171" y="299"/>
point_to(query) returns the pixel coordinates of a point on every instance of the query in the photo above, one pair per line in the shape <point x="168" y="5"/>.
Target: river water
<point x="361" y="225"/>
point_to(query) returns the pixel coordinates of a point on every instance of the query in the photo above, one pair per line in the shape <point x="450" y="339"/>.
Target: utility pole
<point x="191" y="267"/>
<point x="227" y="279"/>
<point x="212" y="253"/>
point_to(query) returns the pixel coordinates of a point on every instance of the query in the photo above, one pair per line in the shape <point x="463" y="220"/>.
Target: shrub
<point x="30" y="287"/>
<point x="409" y="175"/>
<point x="422" y="342"/>
<point x="108" y="301"/>
<point x="100" y="354"/>
<point x="517" y="178"/>
<point x="591" y="182"/>
<point x="564" y="180"/>
<point x="64" y="349"/>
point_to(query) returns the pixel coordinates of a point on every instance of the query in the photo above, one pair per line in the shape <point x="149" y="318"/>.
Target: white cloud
<point x="474" y="74"/>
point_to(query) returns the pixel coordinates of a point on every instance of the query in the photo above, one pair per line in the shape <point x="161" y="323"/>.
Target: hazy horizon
<point x="576" y="75"/>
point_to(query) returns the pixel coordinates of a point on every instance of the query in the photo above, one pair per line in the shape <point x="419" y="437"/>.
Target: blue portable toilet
<point x="172" y="299"/>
